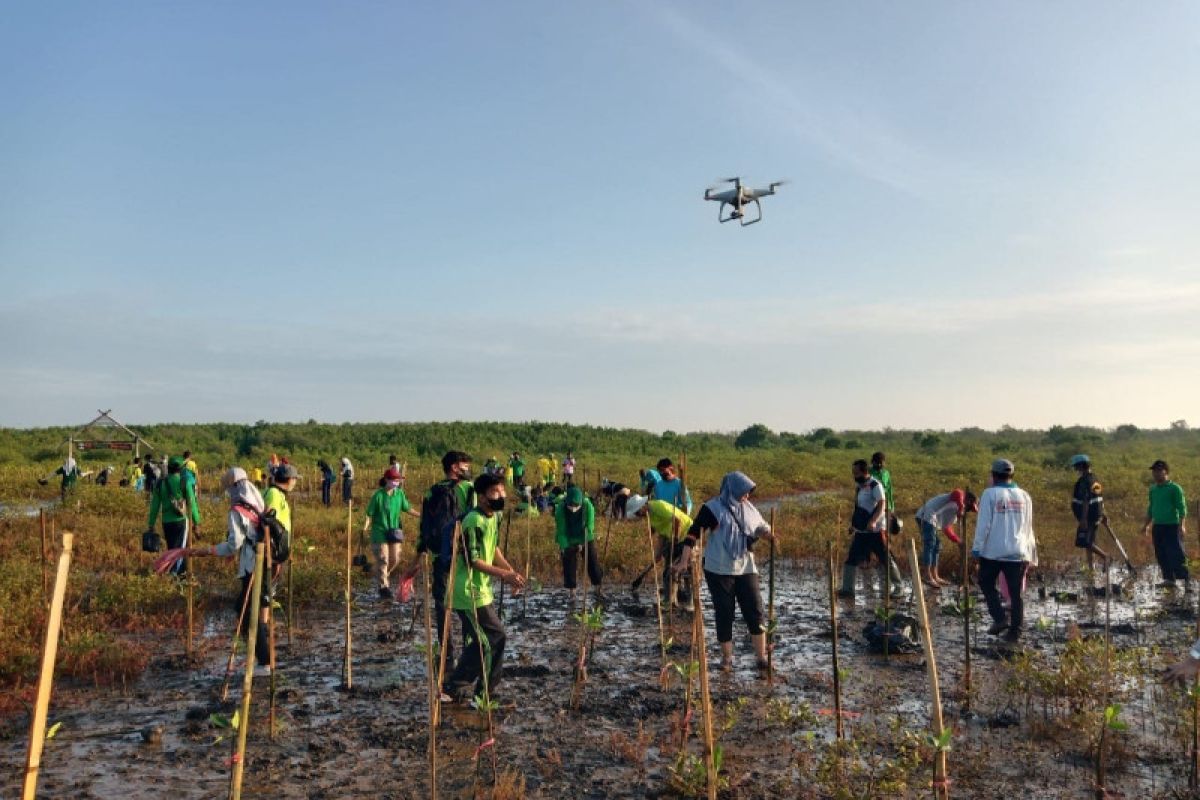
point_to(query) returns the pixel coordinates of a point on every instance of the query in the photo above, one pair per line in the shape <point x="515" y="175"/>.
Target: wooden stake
<point x="268" y="574"/>
<point x="771" y="608"/>
<point x="239" y="758"/>
<point x="966" y="602"/>
<point x="504" y="548"/>
<point x="191" y="584"/>
<point x="289" y="604"/>
<point x="705" y="697"/>
<point x="347" y="664"/>
<point x="45" y="558"/>
<point x="233" y="645"/>
<point x="434" y="689"/>
<point x="662" y="636"/>
<point x="449" y="598"/>
<point x="833" y="624"/>
<point x="1101" y="748"/>
<point x="528" y="568"/>
<point x="41" y="709"/>
<point x="935" y="694"/>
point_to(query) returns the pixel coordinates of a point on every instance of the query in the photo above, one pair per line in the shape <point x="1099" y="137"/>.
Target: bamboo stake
<point x="1101" y="754"/>
<point x="239" y="758"/>
<point x="45" y="558"/>
<point x="1194" y="775"/>
<point x="581" y="663"/>
<point x="187" y="642"/>
<point x="837" y="673"/>
<point x="662" y="637"/>
<point x="771" y="608"/>
<point x="347" y="664"/>
<point x="434" y="691"/>
<point x="289" y="604"/>
<point x="268" y="574"/>
<point x="233" y="646"/>
<point x="705" y="697"/>
<point x="887" y="580"/>
<point x="41" y="709"/>
<point x="966" y="602"/>
<point x="441" y="678"/>
<point x="528" y="568"/>
<point x="504" y="547"/>
<point x="939" y="764"/>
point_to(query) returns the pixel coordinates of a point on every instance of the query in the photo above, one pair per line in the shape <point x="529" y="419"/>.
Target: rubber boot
<point x="894" y="578"/>
<point x="848" y="572"/>
<point x="759" y="641"/>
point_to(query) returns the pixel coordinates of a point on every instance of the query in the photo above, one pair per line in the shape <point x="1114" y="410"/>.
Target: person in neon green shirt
<point x="387" y="532"/>
<point x="663" y="519"/>
<point x="1166" y="520"/>
<point x="480" y="560"/>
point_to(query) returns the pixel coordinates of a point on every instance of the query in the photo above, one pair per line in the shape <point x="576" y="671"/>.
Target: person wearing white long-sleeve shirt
<point x="1005" y="545"/>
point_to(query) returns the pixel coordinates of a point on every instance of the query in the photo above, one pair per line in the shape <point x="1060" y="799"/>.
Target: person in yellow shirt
<point x="189" y="464"/>
<point x="544" y="471"/>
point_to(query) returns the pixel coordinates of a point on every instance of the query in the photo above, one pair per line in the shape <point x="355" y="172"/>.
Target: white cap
<point x="634" y="504"/>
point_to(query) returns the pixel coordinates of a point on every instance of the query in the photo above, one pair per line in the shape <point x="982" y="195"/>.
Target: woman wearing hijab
<point x="245" y="504"/>
<point x="734" y="525"/>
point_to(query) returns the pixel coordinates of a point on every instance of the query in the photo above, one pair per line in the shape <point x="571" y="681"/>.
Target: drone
<point x="738" y="198"/>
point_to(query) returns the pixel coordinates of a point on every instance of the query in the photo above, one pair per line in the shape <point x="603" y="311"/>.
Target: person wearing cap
<point x="347" y="480"/>
<point x="283" y="480"/>
<point x="939" y="513"/>
<point x="518" y="469"/>
<point x="384" y="510"/>
<point x="575" y="530"/>
<point x="868" y="526"/>
<point x="669" y="488"/>
<point x="175" y="499"/>
<point x="1166" y="520"/>
<point x="481" y="560"/>
<point x="1087" y="504"/>
<point x="240" y="541"/>
<point x="1005" y="545"/>
<point x="733" y="525"/>
<point x="670" y="523"/>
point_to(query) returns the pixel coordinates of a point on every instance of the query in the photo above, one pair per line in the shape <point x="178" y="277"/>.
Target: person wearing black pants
<point x="479" y="625"/>
<point x="1004" y="545"/>
<point x="1014" y="576"/>
<point x="1166" y="521"/>
<point x="734" y="525"/>
<point x="327" y="480"/>
<point x="574" y="530"/>
<point x="175" y="500"/>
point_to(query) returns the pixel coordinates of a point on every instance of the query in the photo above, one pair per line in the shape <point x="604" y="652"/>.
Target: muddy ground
<point x="155" y="738"/>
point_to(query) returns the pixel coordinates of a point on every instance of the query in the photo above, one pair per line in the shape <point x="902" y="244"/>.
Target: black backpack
<point x="266" y="524"/>
<point x="439" y="512"/>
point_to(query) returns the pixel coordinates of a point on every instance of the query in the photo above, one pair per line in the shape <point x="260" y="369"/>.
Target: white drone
<point x="738" y="197"/>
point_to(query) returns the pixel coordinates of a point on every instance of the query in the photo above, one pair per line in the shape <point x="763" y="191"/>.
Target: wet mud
<point x="160" y="736"/>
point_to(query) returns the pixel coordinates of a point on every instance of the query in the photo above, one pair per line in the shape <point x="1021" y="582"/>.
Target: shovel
<point x="1128" y="564"/>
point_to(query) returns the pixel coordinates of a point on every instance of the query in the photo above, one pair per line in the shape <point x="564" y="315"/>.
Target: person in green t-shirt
<point x="575" y="529"/>
<point x="387" y="531"/>
<point x="518" y="469"/>
<point x="480" y="559"/>
<point x="1165" y="519"/>
<point x="175" y="498"/>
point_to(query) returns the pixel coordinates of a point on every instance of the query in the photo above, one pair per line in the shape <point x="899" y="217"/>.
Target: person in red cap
<point x="387" y="532"/>
<point x="939" y="514"/>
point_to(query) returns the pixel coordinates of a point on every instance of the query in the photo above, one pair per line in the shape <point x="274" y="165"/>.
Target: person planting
<point x="868" y="527"/>
<point x="328" y="478"/>
<point x="734" y="525"/>
<point x="939" y="513"/>
<point x="383" y="517"/>
<point x="1087" y="504"/>
<point x="480" y="666"/>
<point x="175" y="499"/>
<point x="246" y="509"/>
<point x="1166" y="521"/>
<point x="575" y="526"/>
<point x="663" y="518"/>
<point x="1005" y="545"/>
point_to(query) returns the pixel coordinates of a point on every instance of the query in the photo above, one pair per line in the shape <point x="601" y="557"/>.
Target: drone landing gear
<point x="739" y="213"/>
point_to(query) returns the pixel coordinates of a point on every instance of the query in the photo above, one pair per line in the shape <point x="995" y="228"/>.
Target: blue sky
<point x="228" y="211"/>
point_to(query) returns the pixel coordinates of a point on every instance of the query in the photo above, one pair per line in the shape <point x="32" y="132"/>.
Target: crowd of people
<point x="727" y="526"/>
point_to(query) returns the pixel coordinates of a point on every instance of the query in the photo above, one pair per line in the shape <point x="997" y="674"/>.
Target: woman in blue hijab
<point x="733" y="525"/>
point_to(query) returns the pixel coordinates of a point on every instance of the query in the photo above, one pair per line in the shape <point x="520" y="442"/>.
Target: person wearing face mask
<point x="575" y="530"/>
<point x="480" y="666"/>
<point x="384" y="510"/>
<point x="734" y="525"/>
<point x="868" y="526"/>
<point x="443" y="505"/>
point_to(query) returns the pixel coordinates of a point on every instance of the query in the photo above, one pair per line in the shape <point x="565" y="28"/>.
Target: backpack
<point x="266" y="524"/>
<point x="439" y="512"/>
